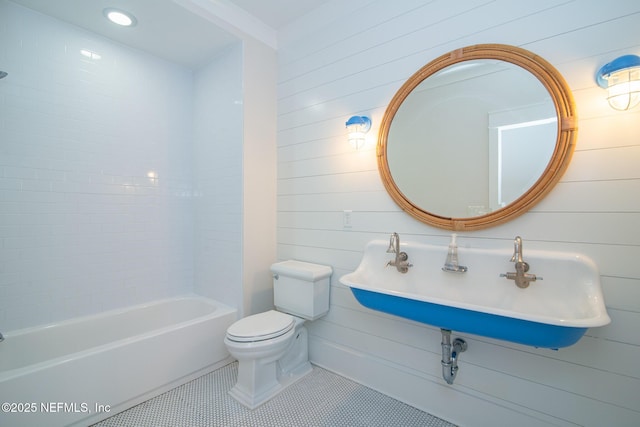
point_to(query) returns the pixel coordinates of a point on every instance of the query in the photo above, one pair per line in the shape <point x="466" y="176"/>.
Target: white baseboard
<point x="454" y="403"/>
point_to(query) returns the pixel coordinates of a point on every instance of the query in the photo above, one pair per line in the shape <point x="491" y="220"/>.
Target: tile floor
<point x="322" y="398"/>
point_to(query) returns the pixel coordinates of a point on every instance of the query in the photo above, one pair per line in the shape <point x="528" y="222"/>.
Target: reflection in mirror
<point x="472" y="138"/>
<point x="470" y="142"/>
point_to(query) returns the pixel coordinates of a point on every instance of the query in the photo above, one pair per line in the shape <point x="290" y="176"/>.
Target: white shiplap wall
<point x="350" y="58"/>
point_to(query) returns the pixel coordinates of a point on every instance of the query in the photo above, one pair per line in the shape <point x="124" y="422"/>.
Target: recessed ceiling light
<point x="120" y="17"/>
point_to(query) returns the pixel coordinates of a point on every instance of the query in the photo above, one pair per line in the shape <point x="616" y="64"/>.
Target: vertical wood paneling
<point x="332" y="66"/>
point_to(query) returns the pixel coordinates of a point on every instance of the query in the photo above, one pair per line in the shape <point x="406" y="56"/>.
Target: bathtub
<point x="80" y="371"/>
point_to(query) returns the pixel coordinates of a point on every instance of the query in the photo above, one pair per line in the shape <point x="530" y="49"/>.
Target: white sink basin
<point x="553" y="312"/>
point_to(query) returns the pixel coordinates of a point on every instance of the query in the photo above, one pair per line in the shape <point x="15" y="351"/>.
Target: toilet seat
<point x="261" y="327"/>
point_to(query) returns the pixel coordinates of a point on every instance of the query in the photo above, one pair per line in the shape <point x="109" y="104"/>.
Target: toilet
<point x="271" y="347"/>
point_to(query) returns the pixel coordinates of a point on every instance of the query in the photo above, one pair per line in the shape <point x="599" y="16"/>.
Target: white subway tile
<point x="80" y="221"/>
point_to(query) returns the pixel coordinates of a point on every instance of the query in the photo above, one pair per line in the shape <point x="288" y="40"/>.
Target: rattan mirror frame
<point x="561" y="157"/>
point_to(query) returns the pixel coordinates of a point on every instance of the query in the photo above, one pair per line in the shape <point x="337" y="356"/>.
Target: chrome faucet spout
<point x="451" y="263"/>
<point x="400" y="262"/>
<point x="521" y="277"/>
<point x="394" y="244"/>
<point x="517" y="250"/>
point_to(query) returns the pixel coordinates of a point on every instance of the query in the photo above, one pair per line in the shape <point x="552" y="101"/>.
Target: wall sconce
<point x="357" y="127"/>
<point x="621" y="77"/>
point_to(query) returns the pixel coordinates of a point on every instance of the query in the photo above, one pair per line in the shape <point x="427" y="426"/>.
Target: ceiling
<point x="278" y="13"/>
<point x="181" y="31"/>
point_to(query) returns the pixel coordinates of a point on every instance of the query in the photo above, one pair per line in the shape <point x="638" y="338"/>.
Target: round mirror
<point x="477" y="137"/>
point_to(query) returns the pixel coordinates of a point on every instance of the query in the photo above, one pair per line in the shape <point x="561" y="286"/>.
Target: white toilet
<point x="271" y="347"/>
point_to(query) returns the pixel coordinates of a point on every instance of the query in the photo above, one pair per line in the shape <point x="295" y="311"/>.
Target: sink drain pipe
<point x="450" y="354"/>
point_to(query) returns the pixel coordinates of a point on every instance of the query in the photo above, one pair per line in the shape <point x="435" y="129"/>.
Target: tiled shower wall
<point x="95" y="173"/>
<point x="350" y="58"/>
<point x="218" y="177"/>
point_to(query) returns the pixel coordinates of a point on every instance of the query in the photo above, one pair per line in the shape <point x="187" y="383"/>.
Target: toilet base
<point x="251" y="399"/>
<point x="254" y="399"/>
<point x="260" y="380"/>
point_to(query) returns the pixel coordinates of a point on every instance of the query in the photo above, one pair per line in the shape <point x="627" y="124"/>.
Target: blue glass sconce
<point x="357" y="127"/>
<point x="621" y="77"/>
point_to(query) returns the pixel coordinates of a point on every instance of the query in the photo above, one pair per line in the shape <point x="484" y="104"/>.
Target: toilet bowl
<point x="272" y="347"/>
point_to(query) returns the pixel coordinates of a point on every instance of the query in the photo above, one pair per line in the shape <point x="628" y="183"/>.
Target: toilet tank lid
<point x="301" y="270"/>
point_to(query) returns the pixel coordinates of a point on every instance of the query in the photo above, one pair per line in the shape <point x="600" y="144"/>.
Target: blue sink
<point x="551" y="313"/>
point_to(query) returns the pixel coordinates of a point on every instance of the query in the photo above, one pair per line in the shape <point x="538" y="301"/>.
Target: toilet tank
<point x="301" y="288"/>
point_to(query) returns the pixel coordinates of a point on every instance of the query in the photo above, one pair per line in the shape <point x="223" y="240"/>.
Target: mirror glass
<point x="466" y="140"/>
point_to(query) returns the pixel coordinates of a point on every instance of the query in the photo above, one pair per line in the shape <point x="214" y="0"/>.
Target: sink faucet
<point x="451" y="264"/>
<point x="521" y="277"/>
<point x="400" y="263"/>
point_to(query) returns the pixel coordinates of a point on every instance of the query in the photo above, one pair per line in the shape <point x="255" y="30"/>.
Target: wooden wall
<point x="349" y="58"/>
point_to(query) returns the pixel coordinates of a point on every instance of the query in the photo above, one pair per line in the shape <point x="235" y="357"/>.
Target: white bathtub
<point x="81" y="371"/>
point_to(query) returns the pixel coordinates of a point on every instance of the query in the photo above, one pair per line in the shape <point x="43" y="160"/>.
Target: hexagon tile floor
<point x="321" y="398"/>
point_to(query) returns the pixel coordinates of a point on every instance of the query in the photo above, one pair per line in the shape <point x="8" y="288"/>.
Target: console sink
<point x="552" y="312"/>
